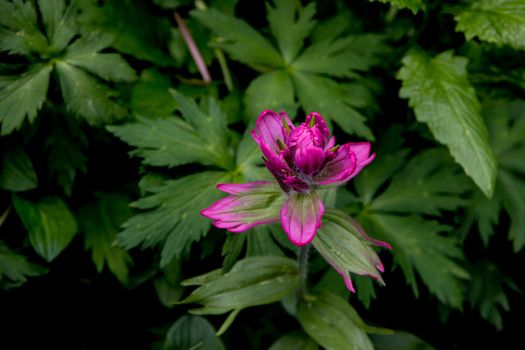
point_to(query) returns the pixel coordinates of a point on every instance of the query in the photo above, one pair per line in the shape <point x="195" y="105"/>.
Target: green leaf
<point x="260" y="242"/>
<point x="100" y="221"/>
<point x="211" y="126"/>
<point x="399" y="341"/>
<point x="273" y="90"/>
<point x="85" y="96"/>
<point x="441" y="95"/>
<point x="420" y="247"/>
<point x="507" y="128"/>
<point x="248" y="160"/>
<point x="135" y="29"/>
<point x="19" y="32"/>
<point x="172" y="215"/>
<point x="340" y="240"/>
<point x="171" y="141"/>
<point x="426" y="185"/>
<point x="392" y="158"/>
<point x="50" y="224"/>
<point x="190" y="333"/>
<point x="59" y="22"/>
<point x="487" y="292"/>
<point x="342" y="57"/>
<point x="168" y="286"/>
<point x="65" y="157"/>
<point x="487" y="210"/>
<point x="17" y="173"/>
<point x="231" y="249"/>
<point x="165" y="142"/>
<point x="332" y="323"/>
<point x="15" y="269"/>
<point x="22" y="97"/>
<point x="239" y="39"/>
<point x="412" y="5"/>
<point x="150" y="96"/>
<point x="336" y="25"/>
<point x="251" y="282"/>
<point x="494" y="21"/>
<point x="294" y="341"/>
<point x="331" y="100"/>
<point x="290" y="24"/>
<point x="513" y="189"/>
<point x="83" y="53"/>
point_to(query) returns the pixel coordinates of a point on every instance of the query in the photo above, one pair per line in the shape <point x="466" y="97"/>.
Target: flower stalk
<point x="302" y="260"/>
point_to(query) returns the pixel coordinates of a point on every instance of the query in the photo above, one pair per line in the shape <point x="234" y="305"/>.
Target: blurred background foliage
<point x="112" y="140"/>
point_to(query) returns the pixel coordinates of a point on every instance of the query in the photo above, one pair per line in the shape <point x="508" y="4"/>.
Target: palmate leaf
<point x="412" y="5"/>
<point x="432" y="184"/>
<point x="419" y="246"/>
<point x="86" y="97"/>
<point x="19" y="32"/>
<point x="331" y="99"/>
<point x="239" y="39"/>
<point x="342" y="57"/>
<point x="423" y="186"/>
<point x="171" y="141"/>
<point x="50" y="224"/>
<point x="59" y="22"/>
<point x="290" y="33"/>
<point x="290" y="23"/>
<point x="15" y="269"/>
<point x="100" y="221"/>
<point x="22" y="97"/>
<point x="83" y="93"/>
<point x="273" y="90"/>
<point x="136" y="30"/>
<point x="487" y="291"/>
<point x="494" y="21"/>
<point x="514" y="202"/>
<point x="441" y="95"/>
<point x="507" y="128"/>
<point x="84" y="53"/>
<point x="150" y="96"/>
<point x="171" y="214"/>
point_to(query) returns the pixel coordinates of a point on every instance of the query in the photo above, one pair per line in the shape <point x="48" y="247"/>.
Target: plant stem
<point x="194" y="50"/>
<point x="302" y="259"/>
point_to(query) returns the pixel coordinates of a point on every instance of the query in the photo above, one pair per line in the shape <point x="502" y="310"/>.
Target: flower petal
<point x="251" y="204"/>
<point x="319" y="124"/>
<point x="339" y="169"/>
<point x="309" y="159"/>
<point x="269" y="128"/>
<point x="362" y="154"/>
<point x="301" y="217"/>
<point x="246" y="187"/>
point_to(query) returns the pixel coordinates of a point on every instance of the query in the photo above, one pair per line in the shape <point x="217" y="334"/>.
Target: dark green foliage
<point x="111" y="145"/>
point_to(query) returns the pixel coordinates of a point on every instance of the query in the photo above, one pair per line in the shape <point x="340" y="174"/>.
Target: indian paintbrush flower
<point x="302" y="159"/>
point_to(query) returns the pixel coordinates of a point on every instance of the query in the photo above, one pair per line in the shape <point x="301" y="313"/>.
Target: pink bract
<point x="302" y="159"/>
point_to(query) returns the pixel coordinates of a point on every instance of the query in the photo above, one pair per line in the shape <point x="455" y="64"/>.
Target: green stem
<point x="302" y="259"/>
<point x="224" y="68"/>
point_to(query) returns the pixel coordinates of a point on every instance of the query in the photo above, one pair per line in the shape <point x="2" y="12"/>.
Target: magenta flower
<point x="302" y="159"/>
